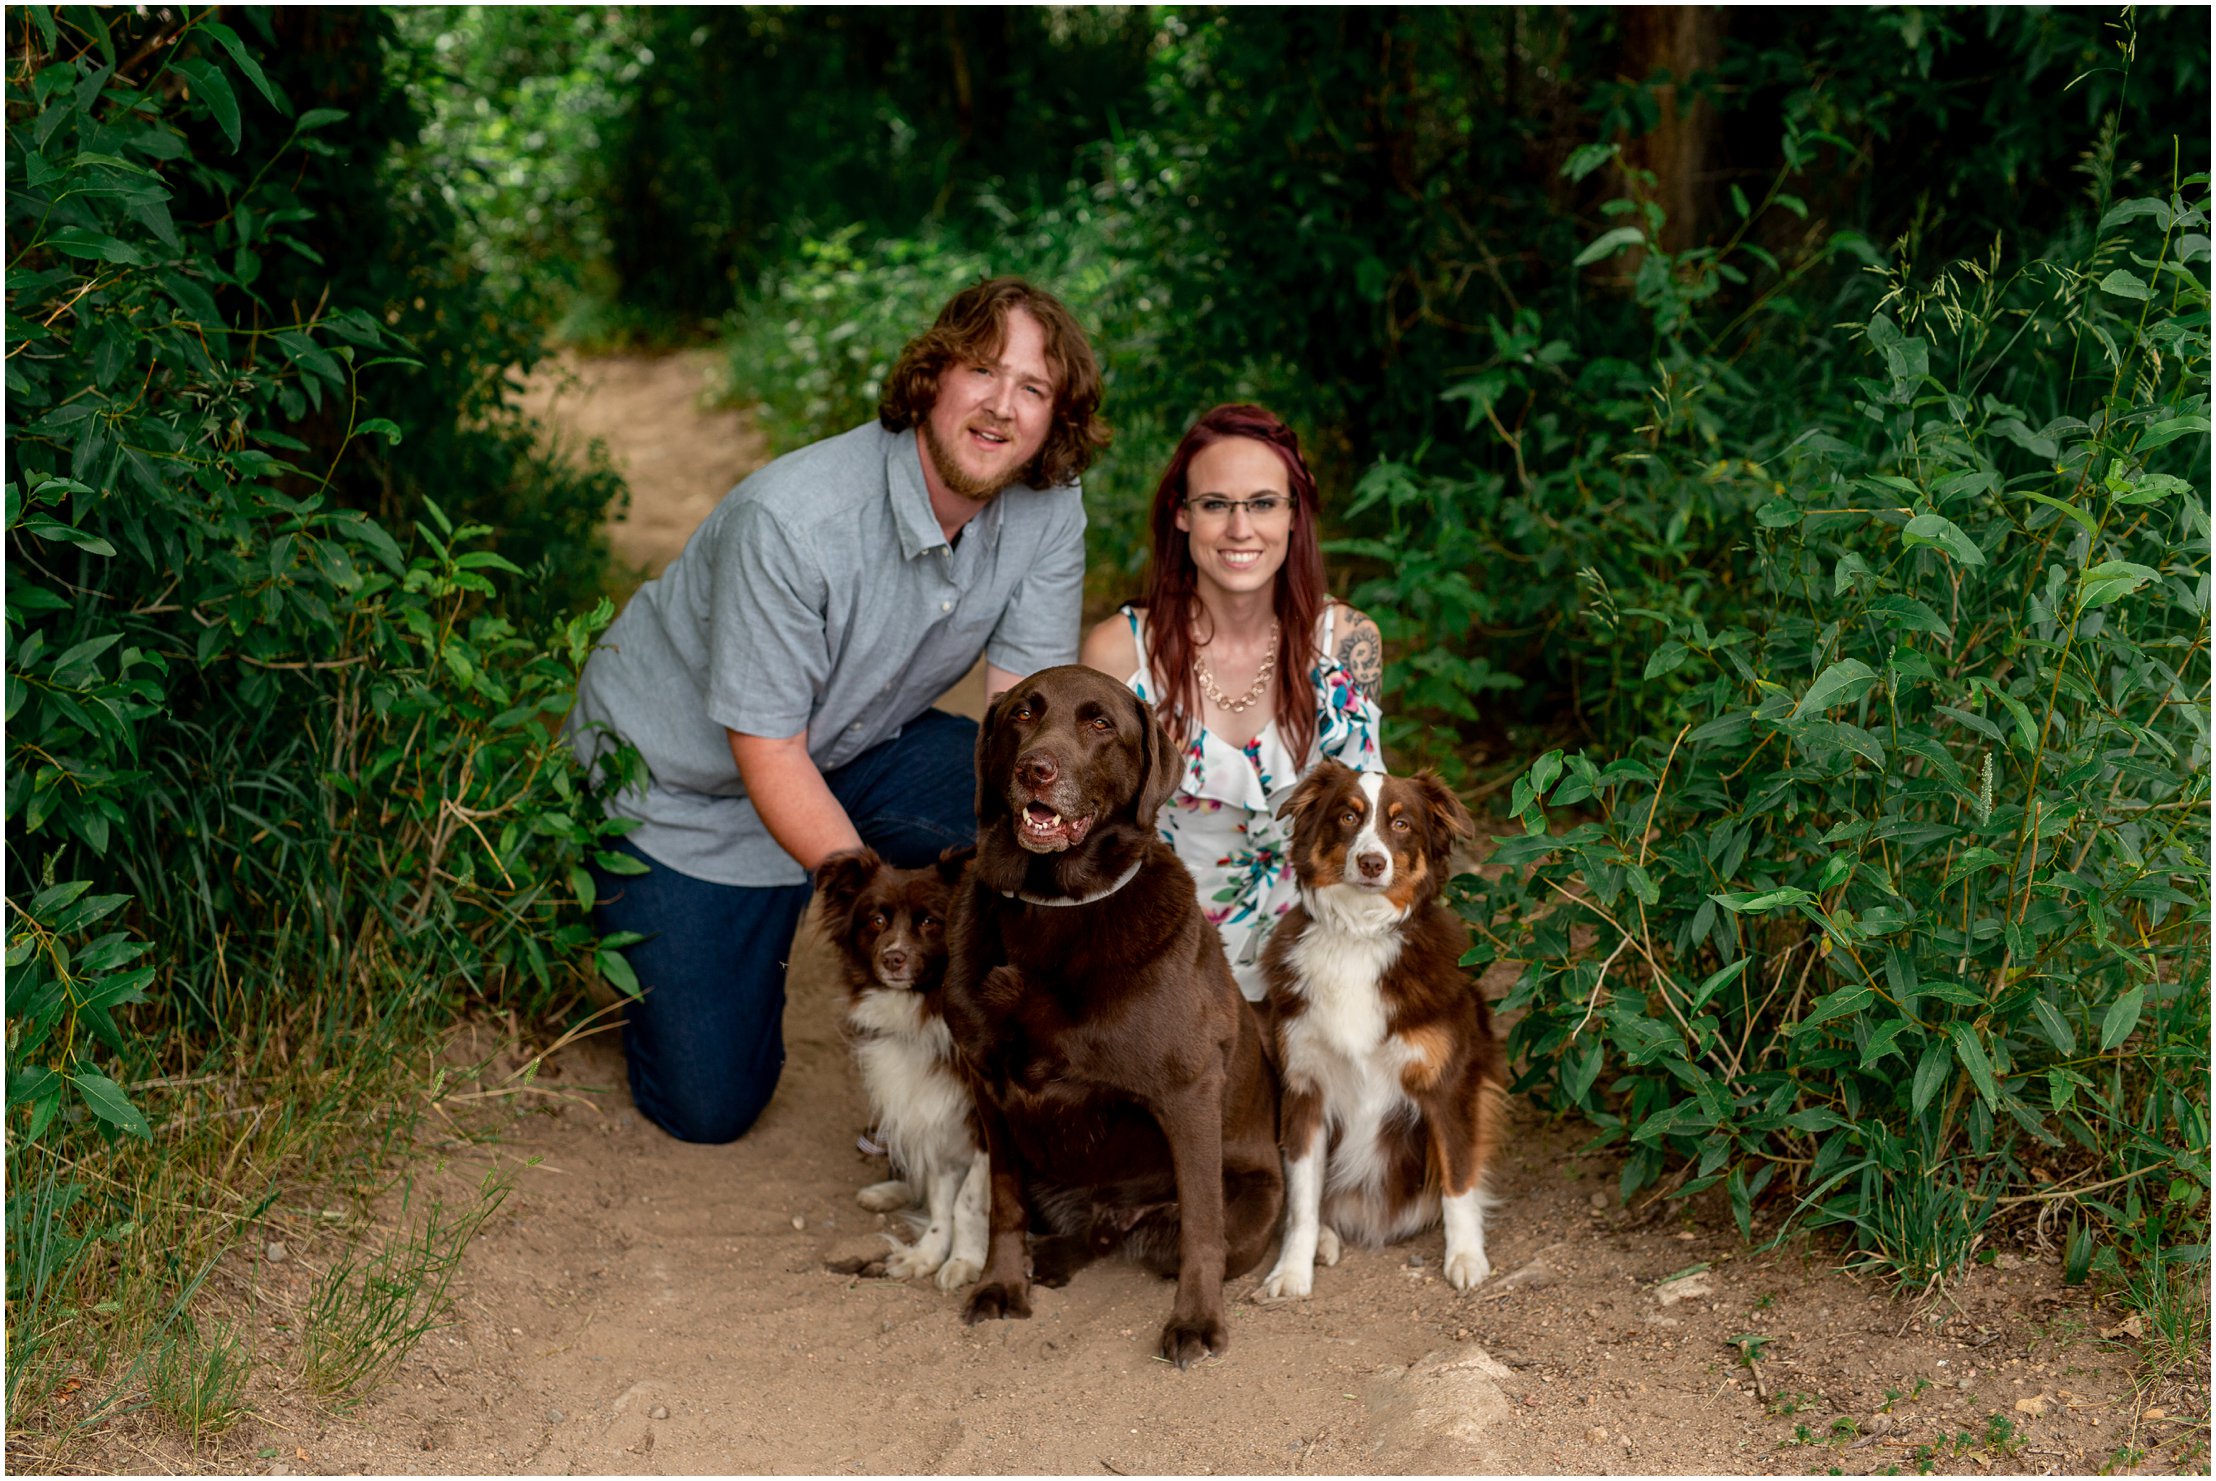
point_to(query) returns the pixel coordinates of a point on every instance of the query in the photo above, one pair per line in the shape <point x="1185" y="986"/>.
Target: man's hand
<point x="795" y="802"/>
<point x="999" y="681"/>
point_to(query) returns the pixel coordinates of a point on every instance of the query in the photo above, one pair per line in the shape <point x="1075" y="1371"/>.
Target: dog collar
<point x="1030" y="899"/>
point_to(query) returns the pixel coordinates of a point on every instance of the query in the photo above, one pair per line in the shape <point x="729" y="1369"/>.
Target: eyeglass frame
<point x="1191" y="504"/>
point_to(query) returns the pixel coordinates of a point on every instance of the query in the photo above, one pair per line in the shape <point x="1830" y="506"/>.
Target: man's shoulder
<point x="824" y="477"/>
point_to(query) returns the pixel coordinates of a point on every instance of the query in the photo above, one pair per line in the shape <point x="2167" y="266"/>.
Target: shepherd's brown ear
<point x="1158" y="750"/>
<point x="1449" y="818"/>
<point x="841" y="878"/>
<point x="1322" y="779"/>
<point x="954" y="860"/>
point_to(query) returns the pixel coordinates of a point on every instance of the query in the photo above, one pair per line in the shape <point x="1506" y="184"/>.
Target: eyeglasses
<point x="1262" y="509"/>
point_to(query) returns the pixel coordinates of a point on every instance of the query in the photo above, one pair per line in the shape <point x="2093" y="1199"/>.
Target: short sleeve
<point x="1039" y="626"/>
<point x="1349" y="725"/>
<point x="769" y="651"/>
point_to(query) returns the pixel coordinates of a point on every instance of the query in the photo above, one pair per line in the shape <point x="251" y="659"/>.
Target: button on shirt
<point x="819" y="595"/>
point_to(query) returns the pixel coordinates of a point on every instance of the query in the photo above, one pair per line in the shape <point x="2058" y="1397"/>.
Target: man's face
<point x="990" y="421"/>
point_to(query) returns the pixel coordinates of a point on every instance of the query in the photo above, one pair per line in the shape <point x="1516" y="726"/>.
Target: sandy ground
<point x="643" y="1306"/>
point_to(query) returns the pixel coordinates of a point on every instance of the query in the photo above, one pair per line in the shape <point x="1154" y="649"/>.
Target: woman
<point x="1256" y="671"/>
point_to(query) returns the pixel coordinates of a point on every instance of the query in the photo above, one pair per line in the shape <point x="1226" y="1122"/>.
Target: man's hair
<point x="971" y="329"/>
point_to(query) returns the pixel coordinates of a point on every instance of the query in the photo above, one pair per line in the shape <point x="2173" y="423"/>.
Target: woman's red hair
<point x="1173" y="605"/>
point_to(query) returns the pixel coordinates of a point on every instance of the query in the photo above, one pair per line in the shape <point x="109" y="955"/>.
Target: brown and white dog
<point x="890" y="926"/>
<point x="1394" y="1081"/>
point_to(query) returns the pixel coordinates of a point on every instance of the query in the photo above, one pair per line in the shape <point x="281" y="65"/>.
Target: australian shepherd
<point x="1394" y="1082"/>
<point x="890" y="926"/>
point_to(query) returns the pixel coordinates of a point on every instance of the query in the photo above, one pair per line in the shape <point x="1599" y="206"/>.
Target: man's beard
<point x="957" y="481"/>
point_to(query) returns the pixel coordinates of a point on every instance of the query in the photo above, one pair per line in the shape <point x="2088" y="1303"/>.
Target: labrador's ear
<point x="1159" y="754"/>
<point x="840" y="880"/>
<point x="990" y="806"/>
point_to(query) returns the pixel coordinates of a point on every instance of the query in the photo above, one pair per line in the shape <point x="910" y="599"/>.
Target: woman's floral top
<point x="1222" y="820"/>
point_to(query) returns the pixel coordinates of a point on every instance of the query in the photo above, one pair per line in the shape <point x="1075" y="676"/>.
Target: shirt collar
<point x="919" y="527"/>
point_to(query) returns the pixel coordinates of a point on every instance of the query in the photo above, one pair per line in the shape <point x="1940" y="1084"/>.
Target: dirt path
<point x="640" y="1305"/>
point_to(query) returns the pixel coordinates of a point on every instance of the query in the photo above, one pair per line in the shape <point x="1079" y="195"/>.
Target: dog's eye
<point x="1350" y="817"/>
<point x="1400" y="825"/>
<point x="1102" y="724"/>
<point x="1023" y="712"/>
<point x="925" y="920"/>
<point x="877" y="918"/>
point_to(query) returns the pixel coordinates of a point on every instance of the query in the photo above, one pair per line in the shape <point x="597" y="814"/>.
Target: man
<point x="778" y="677"/>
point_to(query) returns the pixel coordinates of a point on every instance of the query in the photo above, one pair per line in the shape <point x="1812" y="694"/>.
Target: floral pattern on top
<point x="1223" y="822"/>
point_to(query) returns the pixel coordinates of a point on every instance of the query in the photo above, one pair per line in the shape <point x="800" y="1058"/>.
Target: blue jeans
<point x="706" y="1040"/>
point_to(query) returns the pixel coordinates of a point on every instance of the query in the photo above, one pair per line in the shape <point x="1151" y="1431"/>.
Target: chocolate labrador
<point x="1119" y="1075"/>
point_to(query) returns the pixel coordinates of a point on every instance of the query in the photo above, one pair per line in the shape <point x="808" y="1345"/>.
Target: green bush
<point x="1900" y="914"/>
<point x="269" y="770"/>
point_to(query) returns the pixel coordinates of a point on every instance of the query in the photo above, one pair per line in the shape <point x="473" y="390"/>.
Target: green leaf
<point x="2162" y="434"/>
<point x="390" y="431"/>
<point x="316" y="118"/>
<point x="105" y="1099"/>
<point x="229" y="39"/>
<point x="1609" y="243"/>
<point x="1970" y="1049"/>
<point x="2125" y="285"/>
<point x="617" y="971"/>
<point x="1715" y="983"/>
<point x="1836" y="1004"/>
<point x="83" y="241"/>
<point x="1884" y="1040"/>
<point x="1931" y="1074"/>
<point x="1938" y="531"/>
<point x="2112" y="581"/>
<point x="2121" y="1018"/>
<point x="1754" y="903"/>
<point x="1971" y="861"/>
<point x="2054" y="1026"/>
<point x="1667" y="657"/>
<point x="211" y="88"/>
<point x="1842" y="683"/>
<point x="1912" y="615"/>
<point x="2084" y="520"/>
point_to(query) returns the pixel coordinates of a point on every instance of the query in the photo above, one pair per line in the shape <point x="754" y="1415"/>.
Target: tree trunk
<point x="1679" y="41"/>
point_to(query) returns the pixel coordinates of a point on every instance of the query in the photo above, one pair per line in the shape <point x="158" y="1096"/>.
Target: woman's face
<point x="1237" y="515"/>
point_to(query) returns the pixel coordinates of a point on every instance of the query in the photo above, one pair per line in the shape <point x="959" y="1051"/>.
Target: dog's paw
<point x="1465" y="1268"/>
<point x="994" y="1300"/>
<point x="883" y="1198"/>
<point x="1186" y="1341"/>
<point x="957" y="1273"/>
<point x="1286" y="1283"/>
<point x="1327" y="1246"/>
<point x="908" y="1262"/>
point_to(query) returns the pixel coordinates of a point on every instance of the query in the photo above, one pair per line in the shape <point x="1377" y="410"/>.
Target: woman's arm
<point x="1112" y="648"/>
<point x="1361" y="652"/>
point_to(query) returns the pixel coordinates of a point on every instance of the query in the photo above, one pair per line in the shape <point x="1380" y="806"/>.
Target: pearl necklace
<point x="1261" y="679"/>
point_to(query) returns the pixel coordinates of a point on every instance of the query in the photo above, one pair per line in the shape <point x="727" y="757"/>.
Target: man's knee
<point x="711" y="1112"/>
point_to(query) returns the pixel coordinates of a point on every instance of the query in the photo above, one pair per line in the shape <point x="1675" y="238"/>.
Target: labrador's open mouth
<point x="1042" y="830"/>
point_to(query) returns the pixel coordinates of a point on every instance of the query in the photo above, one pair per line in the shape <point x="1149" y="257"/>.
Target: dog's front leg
<point x="927" y="1254"/>
<point x="1192" y="1120"/>
<point x="1005" y="1290"/>
<point x="1305" y="1151"/>
<point x="972" y="1226"/>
